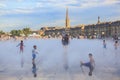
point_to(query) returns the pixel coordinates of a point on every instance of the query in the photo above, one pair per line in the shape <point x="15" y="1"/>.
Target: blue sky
<point x="17" y="14"/>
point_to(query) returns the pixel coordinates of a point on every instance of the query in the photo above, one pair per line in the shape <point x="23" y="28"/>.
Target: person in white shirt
<point x="34" y="52"/>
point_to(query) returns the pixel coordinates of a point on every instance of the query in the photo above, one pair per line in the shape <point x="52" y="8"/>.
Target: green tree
<point x="15" y="32"/>
<point x="1" y="32"/>
<point x="26" y="31"/>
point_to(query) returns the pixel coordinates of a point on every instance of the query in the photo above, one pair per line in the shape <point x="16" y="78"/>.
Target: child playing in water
<point x="21" y="44"/>
<point x="34" y="52"/>
<point x="116" y="44"/>
<point x="90" y="64"/>
<point x="104" y="44"/>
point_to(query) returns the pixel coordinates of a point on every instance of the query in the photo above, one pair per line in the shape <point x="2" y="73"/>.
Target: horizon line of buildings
<point x="100" y="29"/>
<point x="104" y="29"/>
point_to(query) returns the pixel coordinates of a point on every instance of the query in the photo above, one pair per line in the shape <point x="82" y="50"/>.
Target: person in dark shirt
<point x="21" y="44"/>
<point x="65" y="40"/>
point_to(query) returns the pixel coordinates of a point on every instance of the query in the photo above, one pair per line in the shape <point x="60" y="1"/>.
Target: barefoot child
<point x="21" y="44"/>
<point x="89" y="64"/>
<point x="34" y="52"/>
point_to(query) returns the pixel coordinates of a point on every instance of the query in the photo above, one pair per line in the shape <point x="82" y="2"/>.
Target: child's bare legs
<point x="21" y="50"/>
<point x="34" y="69"/>
<point x="33" y="61"/>
<point x="91" y="70"/>
<point x="87" y="65"/>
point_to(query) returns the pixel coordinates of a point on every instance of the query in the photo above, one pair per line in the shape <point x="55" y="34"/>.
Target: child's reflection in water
<point x="34" y="70"/>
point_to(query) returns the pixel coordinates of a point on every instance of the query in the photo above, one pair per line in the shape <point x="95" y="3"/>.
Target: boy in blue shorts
<point x="34" y="52"/>
<point x="89" y="64"/>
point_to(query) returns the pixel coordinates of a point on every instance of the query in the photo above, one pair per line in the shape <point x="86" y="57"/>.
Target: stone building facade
<point x="106" y="29"/>
<point x="99" y="30"/>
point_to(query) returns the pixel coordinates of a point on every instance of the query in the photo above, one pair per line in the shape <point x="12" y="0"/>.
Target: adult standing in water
<point x="65" y="40"/>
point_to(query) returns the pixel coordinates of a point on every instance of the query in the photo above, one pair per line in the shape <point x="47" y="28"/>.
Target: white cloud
<point x="2" y="5"/>
<point x="39" y="5"/>
<point x="3" y="25"/>
<point x="24" y="11"/>
<point x="46" y="5"/>
<point x="4" y="12"/>
<point x="9" y="26"/>
<point x="112" y="18"/>
<point x="95" y="3"/>
<point x="52" y="23"/>
<point x="76" y="3"/>
<point x="16" y="11"/>
<point x="19" y="0"/>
